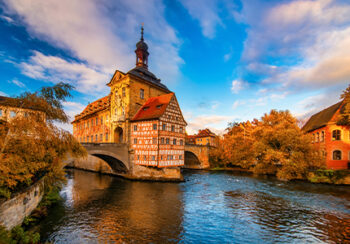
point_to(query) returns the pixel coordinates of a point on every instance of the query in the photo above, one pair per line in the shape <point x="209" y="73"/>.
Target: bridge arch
<point x="196" y="156"/>
<point x="115" y="155"/>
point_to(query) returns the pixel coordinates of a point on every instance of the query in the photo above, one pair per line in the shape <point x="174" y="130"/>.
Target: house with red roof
<point x="330" y="139"/>
<point x="158" y="133"/>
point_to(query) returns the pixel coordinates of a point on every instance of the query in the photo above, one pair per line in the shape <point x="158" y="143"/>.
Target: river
<point x="209" y="207"/>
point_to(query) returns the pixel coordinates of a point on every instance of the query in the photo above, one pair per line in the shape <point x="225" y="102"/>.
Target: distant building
<point x="204" y="137"/>
<point x="330" y="139"/>
<point x="139" y="111"/>
<point x="12" y="107"/>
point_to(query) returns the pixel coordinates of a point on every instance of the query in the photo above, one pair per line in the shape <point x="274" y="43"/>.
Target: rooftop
<point x="321" y="118"/>
<point x="96" y="106"/>
<point x="153" y="108"/>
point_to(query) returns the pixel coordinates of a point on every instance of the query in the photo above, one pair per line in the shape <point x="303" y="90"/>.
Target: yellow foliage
<point x="272" y="145"/>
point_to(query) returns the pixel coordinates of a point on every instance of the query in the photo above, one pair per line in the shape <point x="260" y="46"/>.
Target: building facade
<point x="329" y="139"/>
<point x="203" y="137"/>
<point x="158" y="133"/>
<point x="11" y="107"/>
<point x="120" y="117"/>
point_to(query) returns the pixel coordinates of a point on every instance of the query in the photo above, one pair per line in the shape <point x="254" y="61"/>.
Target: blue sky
<point x="225" y="60"/>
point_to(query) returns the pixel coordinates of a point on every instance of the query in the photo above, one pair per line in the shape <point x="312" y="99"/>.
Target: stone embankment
<point x="14" y="210"/>
<point x="137" y="172"/>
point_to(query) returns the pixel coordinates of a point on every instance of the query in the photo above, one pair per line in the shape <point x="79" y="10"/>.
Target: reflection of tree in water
<point x="286" y="220"/>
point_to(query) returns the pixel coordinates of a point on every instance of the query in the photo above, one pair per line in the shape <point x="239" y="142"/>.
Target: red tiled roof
<point x="96" y="106"/>
<point x="205" y="133"/>
<point x="153" y="108"/>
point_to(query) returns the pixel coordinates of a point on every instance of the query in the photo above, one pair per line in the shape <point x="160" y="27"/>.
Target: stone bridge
<point x="196" y="156"/>
<point x="115" y="154"/>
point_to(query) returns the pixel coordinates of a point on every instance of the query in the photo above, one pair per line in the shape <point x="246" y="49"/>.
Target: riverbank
<point x="333" y="177"/>
<point x="24" y="226"/>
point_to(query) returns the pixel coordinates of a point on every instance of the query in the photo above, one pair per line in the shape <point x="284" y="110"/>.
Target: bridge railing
<point x="103" y="144"/>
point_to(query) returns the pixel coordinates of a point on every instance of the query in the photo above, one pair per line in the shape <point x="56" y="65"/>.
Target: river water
<point x="209" y="207"/>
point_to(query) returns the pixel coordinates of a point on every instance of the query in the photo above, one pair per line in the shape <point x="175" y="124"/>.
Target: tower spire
<point x="142" y="52"/>
<point x="142" y="32"/>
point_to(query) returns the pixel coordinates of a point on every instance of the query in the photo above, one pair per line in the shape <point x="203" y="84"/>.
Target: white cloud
<point x="103" y="33"/>
<point x="310" y="40"/>
<point x="238" y="85"/>
<point x="17" y="83"/>
<point x="216" y="123"/>
<point x="7" y="19"/>
<point x="3" y="94"/>
<point x="206" y="12"/>
<point x="238" y="103"/>
<point x="86" y="79"/>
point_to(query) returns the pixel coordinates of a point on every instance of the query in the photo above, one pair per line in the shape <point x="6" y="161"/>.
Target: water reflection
<point x="208" y="207"/>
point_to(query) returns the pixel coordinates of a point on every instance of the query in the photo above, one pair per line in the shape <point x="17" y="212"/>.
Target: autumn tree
<point x="31" y="146"/>
<point x="272" y="145"/>
<point x="344" y="118"/>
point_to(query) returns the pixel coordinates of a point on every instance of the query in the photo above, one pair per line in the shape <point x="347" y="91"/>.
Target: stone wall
<point x="14" y="210"/>
<point x="158" y="174"/>
<point x="90" y="163"/>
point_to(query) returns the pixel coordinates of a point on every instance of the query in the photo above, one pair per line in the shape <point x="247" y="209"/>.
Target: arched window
<point x="337" y="155"/>
<point x="336" y="135"/>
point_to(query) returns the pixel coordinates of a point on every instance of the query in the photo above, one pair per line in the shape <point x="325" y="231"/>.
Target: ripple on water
<point x="206" y="208"/>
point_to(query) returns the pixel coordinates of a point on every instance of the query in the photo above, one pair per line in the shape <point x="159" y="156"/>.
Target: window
<point x="145" y="108"/>
<point x="161" y="157"/>
<point x="336" y="135"/>
<point x="96" y="138"/>
<point x="173" y="128"/>
<point x="313" y="138"/>
<point x="322" y="136"/>
<point x="88" y="124"/>
<point x="167" y="141"/>
<point x="144" y="157"/>
<point x="154" y="140"/>
<point x="181" y="129"/>
<point x="164" y="127"/>
<point x="174" y="142"/>
<point x="106" y="136"/>
<point x="317" y="137"/>
<point x="0" y="112"/>
<point x="162" y="140"/>
<point x="96" y="121"/>
<point x="92" y="122"/>
<point x="142" y="93"/>
<point x="181" y="142"/>
<point x="123" y="91"/>
<point x="101" y="120"/>
<point x="12" y="114"/>
<point x="153" y="157"/>
<point x="180" y="157"/>
<point x="135" y="127"/>
<point x="159" y="106"/>
<point x="135" y="140"/>
<point x="154" y="126"/>
<point x="87" y="139"/>
<point x="138" y="157"/>
<point x="170" y="157"/>
<point x="337" y="155"/>
<point x="92" y="138"/>
<point x="101" y="137"/>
